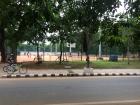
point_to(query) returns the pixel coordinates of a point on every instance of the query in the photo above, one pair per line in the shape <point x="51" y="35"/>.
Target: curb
<point x="67" y="75"/>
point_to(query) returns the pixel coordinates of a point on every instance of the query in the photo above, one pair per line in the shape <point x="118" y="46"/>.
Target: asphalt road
<point x="71" y="91"/>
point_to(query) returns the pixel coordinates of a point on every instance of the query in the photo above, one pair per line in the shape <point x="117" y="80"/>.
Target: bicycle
<point x="12" y="68"/>
<point x="64" y="60"/>
<point x="38" y="60"/>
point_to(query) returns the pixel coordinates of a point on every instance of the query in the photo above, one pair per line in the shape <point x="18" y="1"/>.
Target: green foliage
<point x="111" y="33"/>
<point x="86" y="16"/>
<point x="31" y="20"/>
<point x="134" y="11"/>
<point x="25" y="20"/>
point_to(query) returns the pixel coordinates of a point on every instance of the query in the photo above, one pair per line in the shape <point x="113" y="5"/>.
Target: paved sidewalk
<point x="76" y="71"/>
<point x="80" y="72"/>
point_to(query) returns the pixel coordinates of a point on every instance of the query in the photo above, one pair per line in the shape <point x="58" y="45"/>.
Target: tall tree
<point x="26" y="20"/>
<point x="87" y="14"/>
<point x="133" y="9"/>
<point x="3" y="22"/>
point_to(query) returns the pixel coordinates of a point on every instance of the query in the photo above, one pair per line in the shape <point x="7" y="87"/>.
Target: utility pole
<point x="128" y="53"/>
<point x="100" y="45"/>
<point x="70" y="48"/>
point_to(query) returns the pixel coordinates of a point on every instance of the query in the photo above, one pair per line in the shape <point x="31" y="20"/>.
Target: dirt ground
<point x="26" y="58"/>
<point x="23" y="58"/>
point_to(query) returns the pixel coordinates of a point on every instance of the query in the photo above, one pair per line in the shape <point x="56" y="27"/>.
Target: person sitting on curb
<point x="87" y="59"/>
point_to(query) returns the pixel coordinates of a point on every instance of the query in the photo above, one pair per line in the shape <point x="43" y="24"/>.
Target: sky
<point x="121" y="8"/>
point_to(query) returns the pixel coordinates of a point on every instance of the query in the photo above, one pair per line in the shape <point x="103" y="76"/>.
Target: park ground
<point x="74" y="62"/>
<point x="82" y="64"/>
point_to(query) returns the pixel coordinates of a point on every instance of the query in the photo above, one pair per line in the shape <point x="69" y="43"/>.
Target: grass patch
<point x="116" y="65"/>
<point x="82" y="64"/>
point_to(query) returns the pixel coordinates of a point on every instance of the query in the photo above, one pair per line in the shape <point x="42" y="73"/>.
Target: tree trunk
<point x="38" y="57"/>
<point x="87" y="59"/>
<point x="2" y="45"/>
<point x="128" y="55"/>
<point x="139" y="54"/>
<point x="43" y="51"/>
<point x="14" y="52"/>
<point x="81" y="53"/>
<point x="124" y="54"/>
<point x="86" y="48"/>
<point x="63" y="55"/>
<point x="61" y="51"/>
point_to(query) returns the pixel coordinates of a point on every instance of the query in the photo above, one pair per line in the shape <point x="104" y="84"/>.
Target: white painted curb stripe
<point x="68" y="75"/>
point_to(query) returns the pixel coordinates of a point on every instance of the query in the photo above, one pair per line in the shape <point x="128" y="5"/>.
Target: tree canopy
<point x="31" y="20"/>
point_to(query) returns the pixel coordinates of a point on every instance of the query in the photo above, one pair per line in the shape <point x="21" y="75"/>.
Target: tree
<point x="3" y="23"/>
<point x="61" y="28"/>
<point x="2" y="44"/>
<point x="24" y="17"/>
<point x="87" y="14"/>
<point x="134" y="11"/>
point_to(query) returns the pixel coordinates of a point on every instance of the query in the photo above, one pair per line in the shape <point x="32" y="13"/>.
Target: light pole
<point x="100" y="45"/>
<point x="70" y="49"/>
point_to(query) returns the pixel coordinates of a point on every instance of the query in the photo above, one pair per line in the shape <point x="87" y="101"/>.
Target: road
<point x="71" y="91"/>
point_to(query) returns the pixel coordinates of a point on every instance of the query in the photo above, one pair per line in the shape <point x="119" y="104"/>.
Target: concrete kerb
<point x="68" y="75"/>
